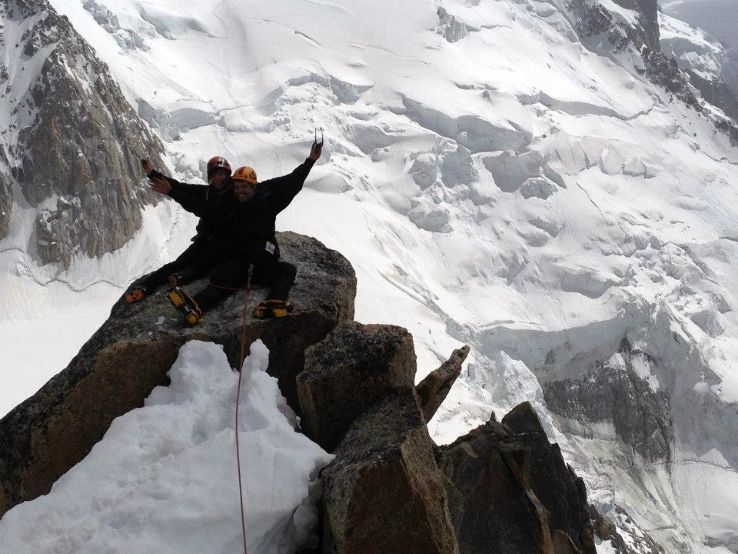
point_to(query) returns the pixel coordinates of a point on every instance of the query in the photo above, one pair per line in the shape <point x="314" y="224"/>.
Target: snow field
<point x="164" y="477"/>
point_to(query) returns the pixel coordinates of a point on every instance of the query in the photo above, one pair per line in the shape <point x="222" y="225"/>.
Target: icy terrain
<point x="164" y="477"/>
<point x="494" y="183"/>
<point x="717" y="17"/>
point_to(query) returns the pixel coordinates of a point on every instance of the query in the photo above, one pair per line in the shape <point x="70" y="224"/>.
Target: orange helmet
<point x="245" y="173"/>
<point x="216" y="162"/>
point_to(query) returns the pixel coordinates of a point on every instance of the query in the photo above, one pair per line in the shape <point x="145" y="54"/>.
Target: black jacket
<point x="190" y="196"/>
<point x="251" y="223"/>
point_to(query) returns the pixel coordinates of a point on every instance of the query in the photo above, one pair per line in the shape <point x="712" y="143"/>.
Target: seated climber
<point x="253" y="250"/>
<point x="207" y="246"/>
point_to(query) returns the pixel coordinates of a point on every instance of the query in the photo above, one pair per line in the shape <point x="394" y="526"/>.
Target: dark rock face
<point x="648" y="15"/>
<point x="595" y="26"/>
<point x="75" y="137"/>
<point x="636" y="543"/>
<point x="384" y="492"/>
<point x="717" y="93"/>
<point x="510" y="490"/>
<point x="131" y="353"/>
<point x="6" y="204"/>
<point x="641" y="416"/>
<point x="432" y="390"/>
<point x="352" y="369"/>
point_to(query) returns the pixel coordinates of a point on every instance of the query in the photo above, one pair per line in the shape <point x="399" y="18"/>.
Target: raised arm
<point x="191" y="197"/>
<point x="283" y="189"/>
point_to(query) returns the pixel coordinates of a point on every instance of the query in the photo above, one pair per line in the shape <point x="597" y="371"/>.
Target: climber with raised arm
<point x="210" y="241"/>
<point x="253" y="252"/>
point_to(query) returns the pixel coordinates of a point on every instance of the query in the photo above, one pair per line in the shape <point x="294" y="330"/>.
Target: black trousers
<point x="232" y="275"/>
<point x="199" y="258"/>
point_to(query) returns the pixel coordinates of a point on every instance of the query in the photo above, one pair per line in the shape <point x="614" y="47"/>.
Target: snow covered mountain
<point x="719" y="18"/>
<point x="521" y="176"/>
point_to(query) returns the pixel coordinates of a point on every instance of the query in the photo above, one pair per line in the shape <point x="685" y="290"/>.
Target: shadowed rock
<point x="133" y="350"/>
<point x="384" y="491"/>
<point x="640" y="415"/>
<point x="555" y="484"/>
<point x="432" y="390"/>
<point x="510" y="490"/>
<point x="6" y="204"/>
<point x="352" y="369"/>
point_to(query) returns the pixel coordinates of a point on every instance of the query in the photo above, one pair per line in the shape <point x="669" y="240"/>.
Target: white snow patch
<point x="164" y="477"/>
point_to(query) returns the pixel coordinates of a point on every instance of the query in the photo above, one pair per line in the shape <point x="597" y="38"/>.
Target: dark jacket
<point x="192" y="197"/>
<point x="254" y="220"/>
<point x="251" y="223"/>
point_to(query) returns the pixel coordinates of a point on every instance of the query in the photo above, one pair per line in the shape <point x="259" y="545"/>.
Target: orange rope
<point x="244" y="321"/>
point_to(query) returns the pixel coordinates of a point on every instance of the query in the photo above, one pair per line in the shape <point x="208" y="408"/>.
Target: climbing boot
<point x="272" y="308"/>
<point x="183" y="301"/>
<point x="134" y="294"/>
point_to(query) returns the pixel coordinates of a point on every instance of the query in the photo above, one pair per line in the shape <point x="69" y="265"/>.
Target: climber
<point x="208" y="245"/>
<point x="252" y="243"/>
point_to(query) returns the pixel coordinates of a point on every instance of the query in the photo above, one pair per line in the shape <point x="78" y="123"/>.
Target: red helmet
<point x="216" y="163"/>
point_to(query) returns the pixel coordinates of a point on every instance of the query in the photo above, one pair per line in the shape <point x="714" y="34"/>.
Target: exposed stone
<point x="79" y="140"/>
<point x="555" y="483"/>
<point x="133" y="350"/>
<point x="596" y="26"/>
<point x="433" y="390"/>
<point x="648" y="18"/>
<point x="384" y="491"/>
<point x="640" y="414"/>
<point x="638" y="542"/>
<point x="354" y="367"/>
<point x="513" y="491"/>
<point x="716" y="92"/>
<point x="451" y="28"/>
<point x="6" y="204"/>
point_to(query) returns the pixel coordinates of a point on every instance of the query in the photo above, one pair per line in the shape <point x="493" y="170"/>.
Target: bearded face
<point x="243" y="190"/>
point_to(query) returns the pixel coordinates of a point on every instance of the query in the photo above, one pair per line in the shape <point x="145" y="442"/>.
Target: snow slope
<point x="494" y="183"/>
<point x="164" y="477"/>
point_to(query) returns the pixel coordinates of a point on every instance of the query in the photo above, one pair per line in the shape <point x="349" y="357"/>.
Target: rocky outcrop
<point x="602" y="31"/>
<point x="615" y="393"/>
<point x="717" y="93"/>
<point x="647" y="11"/>
<point x="511" y="491"/>
<point x="502" y="488"/>
<point x="133" y="350"/>
<point x="352" y="369"/>
<point x="434" y="388"/>
<point x="638" y="542"/>
<point x="6" y="205"/>
<point x="75" y="141"/>
<point x="384" y="491"/>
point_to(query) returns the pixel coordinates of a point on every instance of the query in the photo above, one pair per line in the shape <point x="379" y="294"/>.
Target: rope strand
<point x="244" y="321"/>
